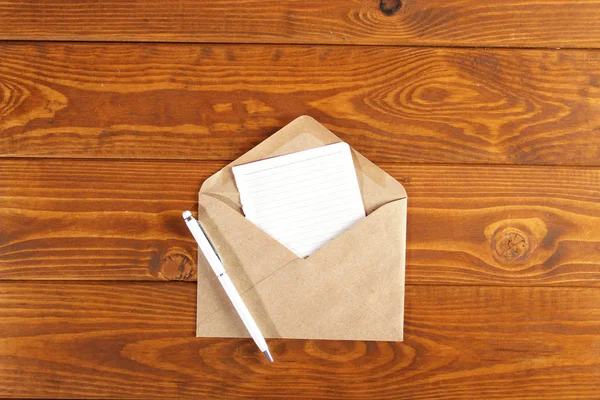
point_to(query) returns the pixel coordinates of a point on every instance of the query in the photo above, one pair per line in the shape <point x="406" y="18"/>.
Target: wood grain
<point x="515" y="23"/>
<point x="472" y="225"/>
<point x="136" y="340"/>
<point x="102" y="145"/>
<point x="209" y="102"/>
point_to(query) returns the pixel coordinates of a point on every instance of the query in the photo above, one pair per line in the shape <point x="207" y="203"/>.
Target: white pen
<point x="210" y="252"/>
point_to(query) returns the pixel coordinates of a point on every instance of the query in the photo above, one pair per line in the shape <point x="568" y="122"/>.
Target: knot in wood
<point x="511" y="244"/>
<point x="389" y="7"/>
<point x="177" y="265"/>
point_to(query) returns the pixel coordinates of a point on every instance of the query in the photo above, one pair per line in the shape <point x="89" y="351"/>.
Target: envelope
<point x="350" y="289"/>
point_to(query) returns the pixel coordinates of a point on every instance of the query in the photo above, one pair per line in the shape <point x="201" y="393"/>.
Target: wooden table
<point x="113" y="113"/>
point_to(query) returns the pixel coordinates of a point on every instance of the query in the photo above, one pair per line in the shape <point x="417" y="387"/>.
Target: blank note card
<point x="302" y="199"/>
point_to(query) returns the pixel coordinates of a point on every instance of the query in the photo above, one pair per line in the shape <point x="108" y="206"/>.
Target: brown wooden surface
<point x="523" y="23"/>
<point x="121" y="220"/>
<point x="215" y="102"/>
<point x="102" y="145"/>
<point x="136" y="340"/>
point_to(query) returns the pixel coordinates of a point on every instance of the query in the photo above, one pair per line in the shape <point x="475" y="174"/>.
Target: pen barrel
<point x="243" y="312"/>
<point x="215" y="262"/>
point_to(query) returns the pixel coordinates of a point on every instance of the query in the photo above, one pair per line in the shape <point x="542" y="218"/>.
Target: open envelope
<point x="351" y="288"/>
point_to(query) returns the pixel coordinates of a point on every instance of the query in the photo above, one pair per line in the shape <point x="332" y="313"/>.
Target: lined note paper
<point x="302" y="199"/>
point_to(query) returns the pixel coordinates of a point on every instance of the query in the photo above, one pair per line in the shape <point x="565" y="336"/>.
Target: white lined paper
<point x="303" y="199"/>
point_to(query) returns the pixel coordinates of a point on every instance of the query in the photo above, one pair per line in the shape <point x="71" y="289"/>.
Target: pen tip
<point x="268" y="355"/>
<point x="186" y="214"/>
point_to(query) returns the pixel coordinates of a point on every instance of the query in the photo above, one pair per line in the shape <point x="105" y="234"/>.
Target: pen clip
<point x="209" y="241"/>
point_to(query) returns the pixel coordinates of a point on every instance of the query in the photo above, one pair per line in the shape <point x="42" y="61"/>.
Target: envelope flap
<point x="376" y="186"/>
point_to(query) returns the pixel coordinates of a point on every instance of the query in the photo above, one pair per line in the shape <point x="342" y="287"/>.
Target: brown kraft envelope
<point x="350" y="289"/>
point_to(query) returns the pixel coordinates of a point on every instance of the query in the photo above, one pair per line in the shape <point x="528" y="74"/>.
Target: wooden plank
<point x="215" y="102"/>
<point x="136" y="340"/>
<point x="472" y="225"/>
<point x="515" y="23"/>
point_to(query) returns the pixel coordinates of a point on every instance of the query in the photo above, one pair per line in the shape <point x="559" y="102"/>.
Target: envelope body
<point x="350" y="289"/>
